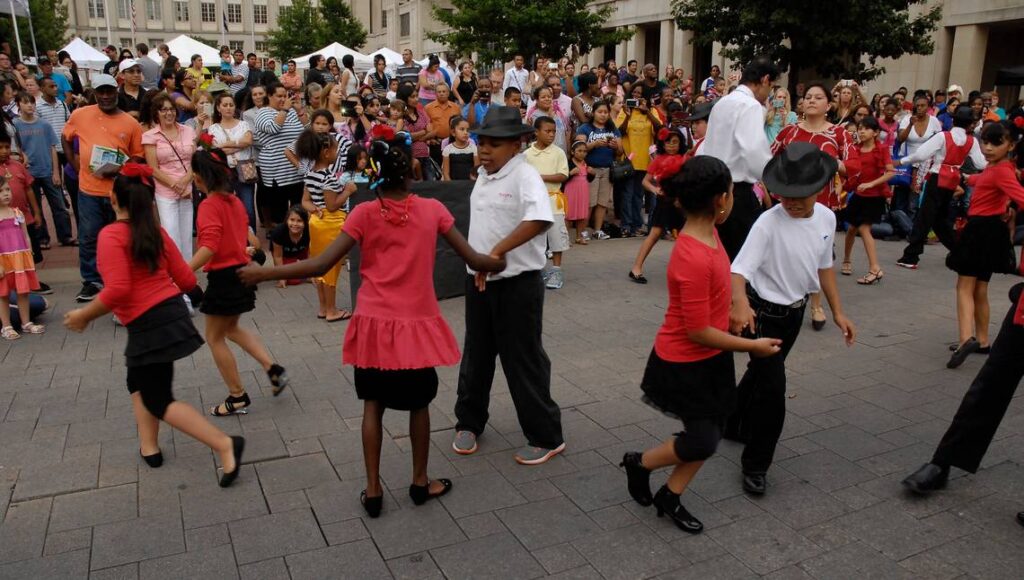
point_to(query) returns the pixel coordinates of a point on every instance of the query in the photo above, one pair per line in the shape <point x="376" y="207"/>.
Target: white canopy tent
<point x="362" y="62"/>
<point x="391" y="57"/>
<point x="85" y="56"/>
<point x="184" y="47"/>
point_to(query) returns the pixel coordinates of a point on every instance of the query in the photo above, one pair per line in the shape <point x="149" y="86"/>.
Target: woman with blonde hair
<point x="778" y="114"/>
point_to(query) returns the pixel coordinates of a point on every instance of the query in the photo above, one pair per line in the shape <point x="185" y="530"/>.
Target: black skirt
<point x="704" y="389"/>
<point x="226" y="295"/>
<point x="984" y="249"/>
<point x="164" y="333"/>
<point x="667" y="216"/>
<point x="403" y="390"/>
<point x="863" y="210"/>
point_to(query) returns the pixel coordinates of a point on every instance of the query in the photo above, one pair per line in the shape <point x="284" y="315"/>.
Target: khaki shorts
<point x="601" y="188"/>
<point x="558" y="235"/>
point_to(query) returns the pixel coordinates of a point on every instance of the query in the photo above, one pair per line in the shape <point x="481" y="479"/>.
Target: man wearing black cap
<point x="509" y="213"/>
<point x="787" y="256"/>
<point x="736" y="136"/>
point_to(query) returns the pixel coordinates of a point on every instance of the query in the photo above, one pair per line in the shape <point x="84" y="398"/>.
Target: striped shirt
<point x="56" y="115"/>
<point x="336" y="168"/>
<point x="274" y="139"/>
<point x="319" y="181"/>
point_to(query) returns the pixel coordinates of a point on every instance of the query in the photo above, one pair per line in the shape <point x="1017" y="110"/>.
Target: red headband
<point x="142" y="171"/>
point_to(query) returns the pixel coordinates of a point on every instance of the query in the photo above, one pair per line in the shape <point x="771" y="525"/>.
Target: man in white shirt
<point x="509" y="215"/>
<point x="788" y="255"/>
<point x="736" y="136"/>
<point x="517" y="76"/>
<point x="935" y="204"/>
<point x="239" y="76"/>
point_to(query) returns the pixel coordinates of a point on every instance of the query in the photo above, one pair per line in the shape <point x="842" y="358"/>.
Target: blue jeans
<point x="94" y="213"/>
<point x="246" y="193"/>
<point x="633" y="202"/>
<point x="44" y="187"/>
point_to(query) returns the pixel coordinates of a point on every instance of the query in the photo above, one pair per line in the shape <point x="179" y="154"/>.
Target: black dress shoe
<point x="1020" y="518"/>
<point x="639" y="478"/>
<point x="155" y="460"/>
<point x="372" y="505"/>
<point x="755" y="483"/>
<point x="927" y="479"/>
<point x="667" y="503"/>
<point x="960" y="355"/>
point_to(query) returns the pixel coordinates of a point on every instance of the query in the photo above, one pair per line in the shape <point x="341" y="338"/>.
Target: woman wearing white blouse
<point x="235" y="138"/>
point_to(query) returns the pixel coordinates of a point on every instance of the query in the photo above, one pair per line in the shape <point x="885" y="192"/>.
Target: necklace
<point x="400" y="220"/>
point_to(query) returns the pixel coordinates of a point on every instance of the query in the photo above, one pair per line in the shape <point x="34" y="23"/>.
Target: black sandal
<point x="155" y="460"/>
<point x="237" y="447"/>
<point x="234" y="405"/>
<point x="638" y="278"/>
<point x="278" y="378"/>
<point x="421" y="493"/>
<point x="372" y="505"/>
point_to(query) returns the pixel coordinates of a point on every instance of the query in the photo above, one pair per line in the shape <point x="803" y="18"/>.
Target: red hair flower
<point x="663" y="134"/>
<point x="383" y="132"/>
<point x="206" y="141"/>
<point x="667" y="166"/>
<point x="141" y="170"/>
<point x="1019" y="122"/>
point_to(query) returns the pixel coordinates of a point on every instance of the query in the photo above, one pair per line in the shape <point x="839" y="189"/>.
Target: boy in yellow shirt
<point x="551" y="163"/>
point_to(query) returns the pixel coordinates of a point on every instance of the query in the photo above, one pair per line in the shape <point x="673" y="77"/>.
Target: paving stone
<point x="339" y="501"/>
<point x="295" y="473"/>
<point x="720" y="568"/>
<point x="634" y="552"/>
<point x="497" y="556"/>
<point x="546" y="523"/>
<point x="273" y="569"/>
<point x="480" y="525"/>
<point x="214" y="563"/>
<point x="90" y="508"/>
<point x="123" y="572"/>
<point x="23" y="532"/>
<point x="826" y="470"/>
<point x="764" y="544"/>
<point x="275" y="535"/>
<point x="415" y="567"/>
<point x="799" y="504"/>
<point x="345" y="532"/>
<point x="135" y="540"/>
<point x="356" y="560"/>
<point x="980" y="555"/>
<point x="77" y="474"/>
<point x="418" y="529"/>
<point x="72" y="565"/>
<point x="611" y="414"/>
<point x="559" y="558"/>
<point x="850" y="442"/>
<point x="205" y="505"/>
<point x="595" y="488"/>
<point x="853" y="562"/>
<point x="480" y="493"/>
<point x="62" y="542"/>
<point x="899" y="535"/>
<point x="581" y="573"/>
<point x="198" y="539"/>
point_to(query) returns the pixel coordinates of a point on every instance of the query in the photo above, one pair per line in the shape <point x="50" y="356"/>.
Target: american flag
<point x="224" y="19"/>
<point x="133" y="18"/>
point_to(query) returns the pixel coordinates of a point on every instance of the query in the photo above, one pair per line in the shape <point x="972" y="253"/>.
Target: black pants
<point x="761" y="393"/>
<point x="505" y="321"/>
<point x="745" y="210"/>
<point x="932" y="215"/>
<point x="985" y="403"/>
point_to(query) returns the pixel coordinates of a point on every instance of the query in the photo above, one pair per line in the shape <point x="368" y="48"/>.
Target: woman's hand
<point x="251" y="274"/>
<point x="765" y="347"/>
<point x="76" y="321"/>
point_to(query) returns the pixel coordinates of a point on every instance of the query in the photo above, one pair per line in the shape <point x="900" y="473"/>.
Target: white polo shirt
<point x="499" y="203"/>
<point x="782" y="254"/>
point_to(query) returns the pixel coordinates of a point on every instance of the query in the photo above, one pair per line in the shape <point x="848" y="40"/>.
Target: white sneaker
<point x="599" y="235"/>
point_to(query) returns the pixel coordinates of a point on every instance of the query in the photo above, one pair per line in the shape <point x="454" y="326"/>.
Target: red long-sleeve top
<point x="993" y="189"/>
<point x="223" y="228"/>
<point x="130" y="288"/>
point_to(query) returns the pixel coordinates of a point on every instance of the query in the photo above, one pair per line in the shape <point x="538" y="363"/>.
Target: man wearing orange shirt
<point x="102" y="124"/>
<point x="440" y="113"/>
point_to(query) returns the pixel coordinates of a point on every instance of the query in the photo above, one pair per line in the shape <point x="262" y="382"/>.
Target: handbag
<point x="246" y="169"/>
<point x="621" y="171"/>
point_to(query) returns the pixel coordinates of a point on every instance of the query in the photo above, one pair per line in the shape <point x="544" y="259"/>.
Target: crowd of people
<point x="166" y="168"/>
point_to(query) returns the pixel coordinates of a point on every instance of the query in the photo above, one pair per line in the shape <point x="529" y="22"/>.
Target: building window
<point x="259" y="14"/>
<point x="383" y="18"/>
<point x="155" y="42"/>
<point x="404" y="25"/>
<point x="153" y="11"/>
<point x="127" y="43"/>
<point x="124" y="9"/>
<point x="235" y="13"/>
<point x="282" y="12"/>
<point x="236" y="45"/>
<point x="261" y="46"/>
<point x="208" y="12"/>
<point x="181" y="11"/>
<point x="97" y="9"/>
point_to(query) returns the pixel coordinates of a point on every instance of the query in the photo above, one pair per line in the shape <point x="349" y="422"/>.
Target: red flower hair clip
<point x="206" y="141"/>
<point x="668" y="166"/>
<point x="1019" y="122"/>
<point x="383" y="132"/>
<point x="663" y="134"/>
<point x="142" y="171"/>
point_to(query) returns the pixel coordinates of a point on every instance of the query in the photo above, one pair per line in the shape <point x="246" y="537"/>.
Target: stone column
<point x="635" y="48"/>
<point x="682" y="52"/>
<point x="668" y="28"/>
<point x="969" y="45"/>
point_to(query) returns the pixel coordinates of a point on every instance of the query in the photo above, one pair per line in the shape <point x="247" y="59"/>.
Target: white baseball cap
<point x="127" y="64"/>
<point x="954" y="89"/>
<point x="101" y="80"/>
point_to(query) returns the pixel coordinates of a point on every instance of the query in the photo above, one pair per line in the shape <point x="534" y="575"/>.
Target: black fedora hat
<point x="801" y="170"/>
<point x="503" y="123"/>
<point x="702" y="111"/>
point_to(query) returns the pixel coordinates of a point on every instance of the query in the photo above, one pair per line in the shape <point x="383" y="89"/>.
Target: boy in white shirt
<point x="509" y="213"/>
<point x="787" y="256"/>
<point x="549" y="160"/>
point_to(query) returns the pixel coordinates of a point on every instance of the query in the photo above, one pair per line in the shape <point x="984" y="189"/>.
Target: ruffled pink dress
<point x="397" y="324"/>
<point x="16" y="258"/>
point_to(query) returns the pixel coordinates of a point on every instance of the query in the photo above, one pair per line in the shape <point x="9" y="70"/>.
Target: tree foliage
<point x="832" y="38"/>
<point x="49" y="21"/>
<point x="303" y="28"/>
<point x="499" y="29"/>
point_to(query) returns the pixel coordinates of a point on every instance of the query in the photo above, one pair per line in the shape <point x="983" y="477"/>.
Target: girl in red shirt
<point x="870" y="169"/>
<point x="397" y="335"/>
<point x="985" y="245"/>
<point x="144" y="276"/>
<point x="690" y="373"/>
<point x="223" y="235"/>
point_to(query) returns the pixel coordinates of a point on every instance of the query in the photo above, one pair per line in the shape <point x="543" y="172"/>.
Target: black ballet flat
<point x="372" y="505"/>
<point x="638" y="278"/>
<point x="155" y="460"/>
<point x="421" y="493"/>
<point x="638" y="477"/>
<point x="237" y="447"/>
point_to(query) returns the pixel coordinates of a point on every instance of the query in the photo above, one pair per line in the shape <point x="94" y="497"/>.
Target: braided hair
<point x="391" y="163"/>
<point x="212" y="167"/>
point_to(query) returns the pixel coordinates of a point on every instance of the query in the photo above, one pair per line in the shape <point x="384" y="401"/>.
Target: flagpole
<point x="223" y="22"/>
<point x="31" y="29"/>
<point x="106" y="14"/>
<point x="252" y="26"/>
<point x="17" y="37"/>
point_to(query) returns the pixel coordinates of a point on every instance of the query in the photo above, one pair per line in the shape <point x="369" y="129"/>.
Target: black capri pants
<point x="153" y="381"/>
<point x="699" y="441"/>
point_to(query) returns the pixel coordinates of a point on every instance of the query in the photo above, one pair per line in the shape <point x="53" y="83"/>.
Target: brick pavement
<point x="76" y="501"/>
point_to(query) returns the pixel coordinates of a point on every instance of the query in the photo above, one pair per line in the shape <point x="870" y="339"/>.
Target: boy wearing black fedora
<point x="509" y="215"/>
<point x="787" y="256"/>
